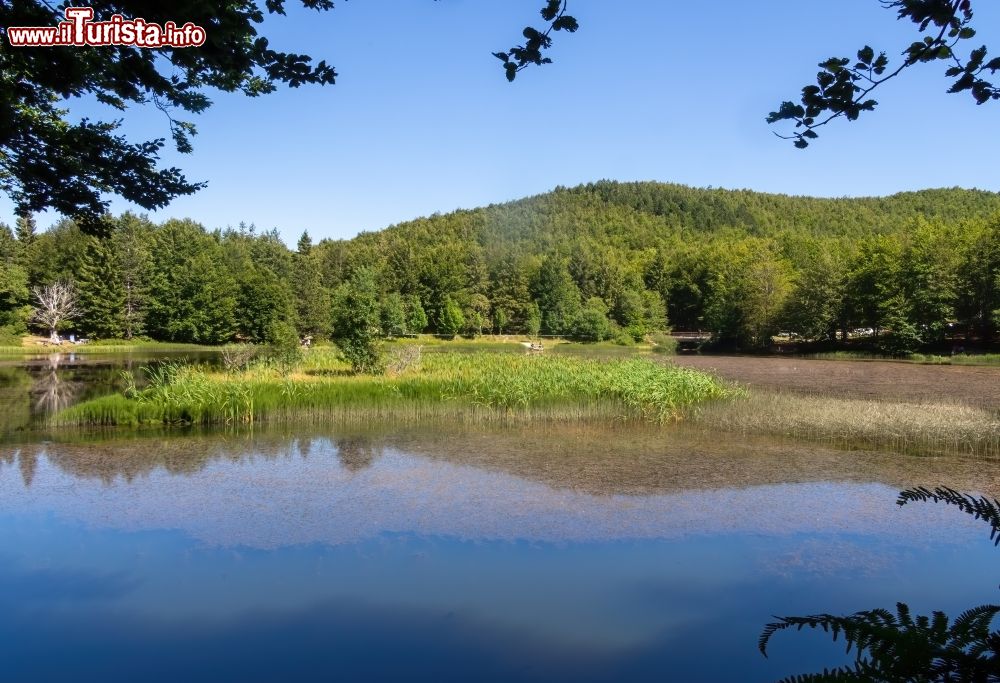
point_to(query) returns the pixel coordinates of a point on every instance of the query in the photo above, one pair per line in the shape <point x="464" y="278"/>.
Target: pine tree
<point x="312" y="299"/>
<point x="100" y="291"/>
<point x="131" y="246"/>
<point x="25" y="231"/>
<point x="305" y="244"/>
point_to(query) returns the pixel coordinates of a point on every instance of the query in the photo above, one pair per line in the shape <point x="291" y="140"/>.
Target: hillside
<point x="598" y="261"/>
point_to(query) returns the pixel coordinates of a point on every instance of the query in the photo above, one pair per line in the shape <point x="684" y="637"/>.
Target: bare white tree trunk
<point x="54" y="304"/>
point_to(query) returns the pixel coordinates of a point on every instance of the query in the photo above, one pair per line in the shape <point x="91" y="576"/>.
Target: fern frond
<point x="981" y="508"/>
<point x="840" y="675"/>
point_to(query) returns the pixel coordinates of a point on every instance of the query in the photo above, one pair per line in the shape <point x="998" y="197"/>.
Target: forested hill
<point x="644" y="213"/>
<point x="603" y="260"/>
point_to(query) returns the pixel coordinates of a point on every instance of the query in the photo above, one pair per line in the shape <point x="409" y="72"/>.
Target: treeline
<point x="600" y="261"/>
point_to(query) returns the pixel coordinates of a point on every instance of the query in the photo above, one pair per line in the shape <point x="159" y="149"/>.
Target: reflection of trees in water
<point x="180" y="453"/>
<point x="130" y="457"/>
<point x="600" y="460"/>
<point x="50" y="392"/>
<point x="25" y="458"/>
<point x="27" y="462"/>
<point x="357" y="452"/>
<point x="15" y="404"/>
<point x="304" y="446"/>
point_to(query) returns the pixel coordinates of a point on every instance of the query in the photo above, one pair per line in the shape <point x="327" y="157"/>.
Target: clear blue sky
<point x="421" y="119"/>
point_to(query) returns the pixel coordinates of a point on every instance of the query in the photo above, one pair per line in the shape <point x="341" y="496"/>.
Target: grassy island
<point x="487" y="386"/>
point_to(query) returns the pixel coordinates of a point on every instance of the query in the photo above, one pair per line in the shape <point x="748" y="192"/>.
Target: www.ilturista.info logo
<point x="79" y="29"/>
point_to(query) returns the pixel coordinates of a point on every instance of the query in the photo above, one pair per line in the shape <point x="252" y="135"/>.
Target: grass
<point x="487" y="386"/>
<point x="903" y="427"/>
<point x="103" y="346"/>
<point x="920" y="358"/>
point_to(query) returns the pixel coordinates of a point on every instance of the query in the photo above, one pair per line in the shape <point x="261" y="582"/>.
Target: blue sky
<point x="421" y="119"/>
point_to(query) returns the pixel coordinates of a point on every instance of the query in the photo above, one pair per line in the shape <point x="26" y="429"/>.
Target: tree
<point x="192" y="295"/>
<point x="748" y="287"/>
<point x="477" y="315"/>
<point x="451" y="320"/>
<point x="14" y="293"/>
<point x="48" y="161"/>
<point x="844" y="84"/>
<point x="356" y="321"/>
<point x="394" y="315"/>
<point x="26" y="232"/>
<point x="312" y="298"/>
<point x="592" y="324"/>
<point x="533" y="324"/>
<point x="304" y="245"/>
<point x="979" y="280"/>
<point x="817" y="299"/>
<point x="130" y="242"/>
<point x="558" y="296"/>
<point x="900" y="337"/>
<point x="416" y="318"/>
<point x="262" y="300"/>
<point x="54" y="305"/>
<point x="101" y="291"/>
<point x="929" y="268"/>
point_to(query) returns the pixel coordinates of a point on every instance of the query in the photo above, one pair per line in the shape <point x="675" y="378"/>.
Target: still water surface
<point x="545" y="553"/>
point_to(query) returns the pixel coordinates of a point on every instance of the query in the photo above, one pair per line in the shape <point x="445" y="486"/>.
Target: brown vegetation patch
<point x="875" y="380"/>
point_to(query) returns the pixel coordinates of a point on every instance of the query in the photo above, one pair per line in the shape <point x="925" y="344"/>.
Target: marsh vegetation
<point x="485" y="386"/>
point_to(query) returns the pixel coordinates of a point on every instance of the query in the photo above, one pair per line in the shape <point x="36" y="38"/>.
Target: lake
<point x="553" y="552"/>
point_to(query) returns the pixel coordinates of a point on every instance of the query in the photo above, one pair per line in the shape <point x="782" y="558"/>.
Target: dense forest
<point x="606" y="260"/>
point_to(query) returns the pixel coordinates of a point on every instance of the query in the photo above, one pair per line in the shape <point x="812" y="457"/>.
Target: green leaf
<point x="566" y="23"/>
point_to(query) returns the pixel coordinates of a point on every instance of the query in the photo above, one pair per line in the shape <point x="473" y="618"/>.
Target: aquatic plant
<point x="917" y="427"/>
<point x="483" y="386"/>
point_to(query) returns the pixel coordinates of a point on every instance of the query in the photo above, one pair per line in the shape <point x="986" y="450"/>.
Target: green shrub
<point x="9" y="336"/>
<point x="283" y="344"/>
<point x="663" y="343"/>
<point x="622" y="337"/>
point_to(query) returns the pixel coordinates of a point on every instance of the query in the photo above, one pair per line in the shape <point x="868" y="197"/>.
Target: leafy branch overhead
<point x="844" y="85"/>
<point x="520" y="57"/>
<point x="48" y="161"/>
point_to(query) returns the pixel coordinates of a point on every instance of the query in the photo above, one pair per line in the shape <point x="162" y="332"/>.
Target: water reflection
<point x="358" y="452"/>
<point x="555" y="553"/>
<point x="34" y="387"/>
<point x="597" y="459"/>
<point x="50" y="392"/>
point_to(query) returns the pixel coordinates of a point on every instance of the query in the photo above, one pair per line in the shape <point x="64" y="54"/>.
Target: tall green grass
<point x="484" y="386"/>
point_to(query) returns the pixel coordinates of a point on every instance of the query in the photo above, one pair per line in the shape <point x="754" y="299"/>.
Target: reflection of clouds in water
<point x="828" y="557"/>
<point x="49" y="586"/>
<point x="337" y="497"/>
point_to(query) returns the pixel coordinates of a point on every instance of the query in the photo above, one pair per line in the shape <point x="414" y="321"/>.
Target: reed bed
<point x="104" y="347"/>
<point x="919" y="358"/>
<point x="486" y="386"/>
<point x="903" y="427"/>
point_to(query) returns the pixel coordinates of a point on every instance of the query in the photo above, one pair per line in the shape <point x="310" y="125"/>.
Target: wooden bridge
<point x="690" y="340"/>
